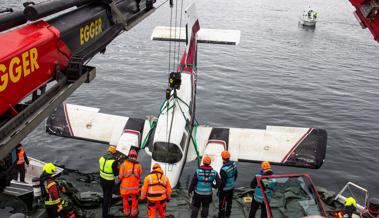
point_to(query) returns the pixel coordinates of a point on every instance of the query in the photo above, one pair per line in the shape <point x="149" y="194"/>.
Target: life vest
<point x="156" y="186"/>
<point x="106" y="170"/>
<point x="21" y="159"/>
<point x="46" y="184"/>
<point x="230" y="169"/>
<point x="205" y="180"/>
<point x="130" y="174"/>
<point x="258" y="195"/>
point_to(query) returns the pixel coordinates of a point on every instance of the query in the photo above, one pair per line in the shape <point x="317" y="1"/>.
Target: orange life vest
<point x="130" y="174"/>
<point x="21" y="159"/>
<point x="156" y="186"/>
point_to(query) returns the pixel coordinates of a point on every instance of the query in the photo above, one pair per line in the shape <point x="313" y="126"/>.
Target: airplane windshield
<point x="166" y="152"/>
<point x="291" y="197"/>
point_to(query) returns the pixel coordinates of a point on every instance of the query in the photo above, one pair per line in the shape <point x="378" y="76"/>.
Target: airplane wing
<point x="289" y="146"/>
<point x="87" y="123"/>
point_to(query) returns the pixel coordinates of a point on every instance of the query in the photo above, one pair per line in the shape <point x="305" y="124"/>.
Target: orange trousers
<point x="154" y="206"/>
<point x="125" y="201"/>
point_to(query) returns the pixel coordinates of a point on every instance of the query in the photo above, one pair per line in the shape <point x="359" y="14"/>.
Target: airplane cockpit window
<point x="291" y="197"/>
<point x="166" y="152"/>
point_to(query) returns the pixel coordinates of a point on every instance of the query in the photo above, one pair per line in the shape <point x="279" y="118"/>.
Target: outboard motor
<point x="36" y="189"/>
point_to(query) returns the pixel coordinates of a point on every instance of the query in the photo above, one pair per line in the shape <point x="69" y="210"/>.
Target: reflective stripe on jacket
<point x="130" y="175"/>
<point x="106" y="170"/>
<point x="230" y="169"/>
<point x="21" y="159"/>
<point x="51" y="186"/>
<point x="205" y="180"/>
<point x="258" y="196"/>
<point x="156" y="187"/>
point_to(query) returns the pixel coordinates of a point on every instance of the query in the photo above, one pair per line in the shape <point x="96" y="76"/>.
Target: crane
<point x="43" y="54"/>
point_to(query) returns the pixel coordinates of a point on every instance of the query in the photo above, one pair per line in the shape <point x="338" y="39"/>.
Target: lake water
<point x="279" y="74"/>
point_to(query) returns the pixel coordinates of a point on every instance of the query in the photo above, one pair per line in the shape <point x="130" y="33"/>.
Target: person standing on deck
<point x="201" y="185"/>
<point x="157" y="189"/>
<point x="108" y="172"/>
<point x="50" y="192"/>
<point x="228" y="175"/>
<point x="22" y="159"/>
<point x="130" y="175"/>
<point x="258" y="195"/>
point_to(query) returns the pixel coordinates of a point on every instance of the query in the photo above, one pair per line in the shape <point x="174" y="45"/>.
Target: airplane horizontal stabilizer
<point x="211" y="36"/>
<point x="288" y="146"/>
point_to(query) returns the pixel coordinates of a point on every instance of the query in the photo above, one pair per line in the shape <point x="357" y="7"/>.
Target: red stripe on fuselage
<point x="28" y="57"/>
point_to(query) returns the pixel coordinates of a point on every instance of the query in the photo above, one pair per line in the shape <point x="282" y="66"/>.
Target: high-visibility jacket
<point x="20" y="154"/>
<point x="230" y="169"/>
<point x="50" y="191"/>
<point x="205" y="180"/>
<point x="156" y="186"/>
<point x="106" y="170"/>
<point x="130" y="175"/>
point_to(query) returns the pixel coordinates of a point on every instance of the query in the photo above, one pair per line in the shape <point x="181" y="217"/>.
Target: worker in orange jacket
<point x="22" y="159"/>
<point x="129" y="175"/>
<point x="156" y="187"/>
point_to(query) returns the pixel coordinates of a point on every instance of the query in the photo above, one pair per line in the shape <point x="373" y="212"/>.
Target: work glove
<point x="60" y="208"/>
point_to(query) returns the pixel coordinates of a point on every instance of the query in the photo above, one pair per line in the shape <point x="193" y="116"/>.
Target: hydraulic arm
<point x="53" y="50"/>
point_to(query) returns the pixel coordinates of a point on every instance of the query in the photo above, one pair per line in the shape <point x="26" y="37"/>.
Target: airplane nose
<point x="172" y="171"/>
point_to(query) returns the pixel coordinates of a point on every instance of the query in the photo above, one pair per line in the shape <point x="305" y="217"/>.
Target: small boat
<point x="309" y="18"/>
<point x="33" y="170"/>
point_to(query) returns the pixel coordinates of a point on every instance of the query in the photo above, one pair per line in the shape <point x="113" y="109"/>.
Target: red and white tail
<point x="193" y="27"/>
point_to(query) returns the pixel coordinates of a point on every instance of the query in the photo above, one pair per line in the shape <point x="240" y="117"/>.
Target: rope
<point x="195" y="130"/>
<point x="180" y="25"/>
<point x="162" y="4"/>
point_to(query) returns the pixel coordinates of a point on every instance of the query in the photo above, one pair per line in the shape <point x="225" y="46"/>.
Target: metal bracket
<point x="118" y="17"/>
<point x="370" y="9"/>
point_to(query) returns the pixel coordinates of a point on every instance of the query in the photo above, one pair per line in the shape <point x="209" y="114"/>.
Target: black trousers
<point x="200" y="201"/>
<point x="20" y="169"/>
<point x="225" y="203"/>
<point x="52" y="211"/>
<point x="107" y="187"/>
<point x="254" y="208"/>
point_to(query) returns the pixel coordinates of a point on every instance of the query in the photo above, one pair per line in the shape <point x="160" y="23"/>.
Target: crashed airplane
<point x="173" y="137"/>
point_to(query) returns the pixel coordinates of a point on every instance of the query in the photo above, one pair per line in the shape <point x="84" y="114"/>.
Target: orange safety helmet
<point x="265" y="165"/>
<point x="133" y="153"/>
<point x="207" y="160"/>
<point x="225" y="155"/>
<point x="156" y="166"/>
<point x="112" y="149"/>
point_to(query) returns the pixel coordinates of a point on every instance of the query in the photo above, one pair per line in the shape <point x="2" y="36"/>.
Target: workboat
<point x="33" y="170"/>
<point x="309" y="17"/>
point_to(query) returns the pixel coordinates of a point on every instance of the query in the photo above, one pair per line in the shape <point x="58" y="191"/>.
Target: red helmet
<point x="133" y="153"/>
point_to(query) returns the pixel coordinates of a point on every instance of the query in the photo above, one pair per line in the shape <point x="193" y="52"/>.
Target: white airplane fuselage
<point x="173" y="130"/>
